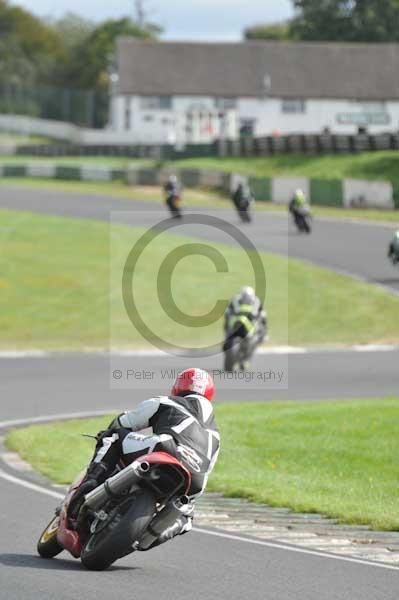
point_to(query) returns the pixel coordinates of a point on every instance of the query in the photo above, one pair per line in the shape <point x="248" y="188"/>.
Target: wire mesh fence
<point x="82" y="107"/>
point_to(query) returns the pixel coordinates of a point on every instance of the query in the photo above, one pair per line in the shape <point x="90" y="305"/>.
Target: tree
<point x="73" y="29"/>
<point x="32" y="41"/>
<point x="96" y="53"/>
<point x="274" y="31"/>
<point x="346" y="20"/>
<point x="59" y="69"/>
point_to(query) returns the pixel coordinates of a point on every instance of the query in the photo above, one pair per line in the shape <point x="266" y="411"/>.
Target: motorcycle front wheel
<point x="115" y="538"/>
<point x="48" y="546"/>
<point x="232" y="356"/>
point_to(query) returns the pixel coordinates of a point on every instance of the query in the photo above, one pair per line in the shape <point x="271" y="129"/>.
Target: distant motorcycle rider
<point x="245" y="317"/>
<point x="393" y="250"/>
<point x="298" y="202"/>
<point x="183" y="425"/>
<point x="243" y="198"/>
<point x="173" y="192"/>
<point x="300" y="210"/>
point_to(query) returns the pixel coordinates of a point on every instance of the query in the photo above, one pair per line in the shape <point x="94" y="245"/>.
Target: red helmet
<point x="194" y="380"/>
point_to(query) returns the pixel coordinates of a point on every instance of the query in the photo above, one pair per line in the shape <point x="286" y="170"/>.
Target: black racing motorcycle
<point x="393" y="252"/>
<point x="302" y="218"/>
<point x="242" y="200"/>
<point x="244" y="210"/>
<point x="238" y="352"/>
<point x="173" y="201"/>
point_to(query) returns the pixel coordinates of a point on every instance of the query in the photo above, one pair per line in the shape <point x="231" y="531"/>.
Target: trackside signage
<point x="377" y="118"/>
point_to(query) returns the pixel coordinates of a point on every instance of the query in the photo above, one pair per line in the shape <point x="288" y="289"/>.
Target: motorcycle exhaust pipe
<point x="116" y="485"/>
<point x="162" y="521"/>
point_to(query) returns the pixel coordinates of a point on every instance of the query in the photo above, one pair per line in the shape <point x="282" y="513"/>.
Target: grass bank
<point x="365" y="165"/>
<point x="20" y="139"/>
<point x="335" y="458"/>
<point x="382" y="165"/>
<point x="116" y="162"/>
<point x="60" y="285"/>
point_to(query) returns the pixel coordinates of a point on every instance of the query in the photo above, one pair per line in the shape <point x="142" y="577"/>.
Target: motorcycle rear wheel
<point x="48" y="546"/>
<point x="307" y="226"/>
<point x="116" y="538"/>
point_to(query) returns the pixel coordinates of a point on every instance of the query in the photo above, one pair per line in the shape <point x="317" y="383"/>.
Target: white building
<point x="178" y="92"/>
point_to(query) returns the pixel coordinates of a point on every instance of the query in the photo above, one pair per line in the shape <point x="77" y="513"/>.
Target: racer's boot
<point x="96" y="474"/>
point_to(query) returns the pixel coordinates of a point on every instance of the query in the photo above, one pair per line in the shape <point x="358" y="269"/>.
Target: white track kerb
<point x="234" y="538"/>
<point x="263" y="351"/>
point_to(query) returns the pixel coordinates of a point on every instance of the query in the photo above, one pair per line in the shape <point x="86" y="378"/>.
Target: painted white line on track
<point x="30" y="486"/>
<point x="53" y="494"/>
<point x="61" y="417"/>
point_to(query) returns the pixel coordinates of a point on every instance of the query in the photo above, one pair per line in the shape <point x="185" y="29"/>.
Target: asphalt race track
<point x="31" y="387"/>
<point x="198" y="566"/>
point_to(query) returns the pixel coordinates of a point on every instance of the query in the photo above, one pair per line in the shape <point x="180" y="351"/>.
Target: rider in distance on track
<point x="245" y="317"/>
<point x="183" y="425"/>
<point x="393" y="250"/>
<point x="173" y="192"/>
<point x="242" y="196"/>
<point x="298" y="202"/>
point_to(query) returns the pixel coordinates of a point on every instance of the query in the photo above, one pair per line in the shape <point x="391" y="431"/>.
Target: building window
<point x="156" y="102"/>
<point x="148" y="118"/>
<point x="247" y="127"/>
<point x="225" y="103"/>
<point x="293" y="106"/>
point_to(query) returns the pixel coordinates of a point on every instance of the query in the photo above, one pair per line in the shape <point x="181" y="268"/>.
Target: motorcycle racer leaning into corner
<point x="183" y="425"/>
<point x="393" y="249"/>
<point x="298" y="201"/>
<point x="245" y="317"/>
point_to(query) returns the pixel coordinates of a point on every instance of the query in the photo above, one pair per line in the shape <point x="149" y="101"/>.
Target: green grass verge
<point x="383" y="165"/>
<point x="335" y="458"/>
<point x="56" y="273"/>
<point x="15" y="138"/>
<point x="366" y="165"/>
<point x="77" y="161"/>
